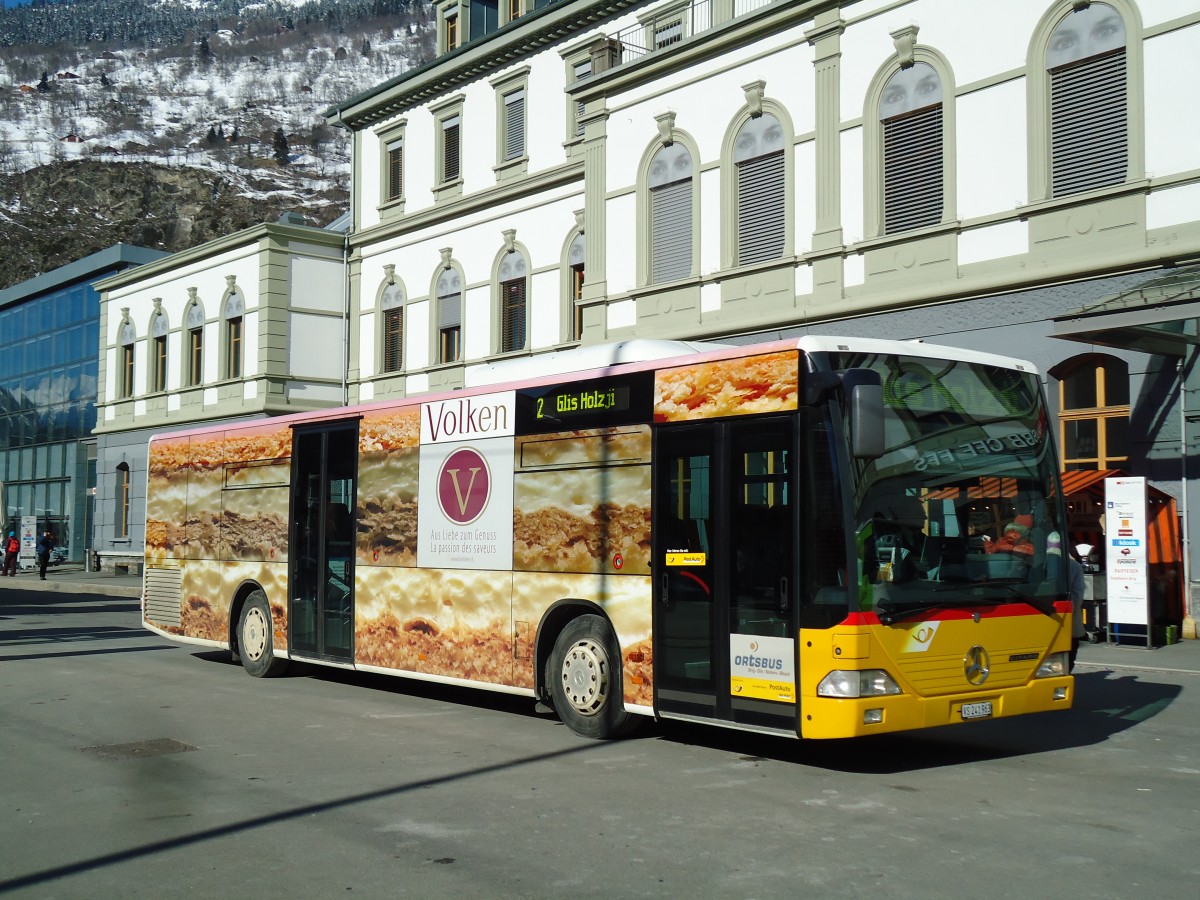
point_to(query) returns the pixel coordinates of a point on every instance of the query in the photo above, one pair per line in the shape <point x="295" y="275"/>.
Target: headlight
<point x="1054" y="665"/>
<point x="867" y="683"/>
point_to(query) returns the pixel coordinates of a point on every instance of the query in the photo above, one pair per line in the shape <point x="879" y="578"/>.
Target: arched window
<point x="122" y="496"/>
<point x="159" y="326"/>
<point x="758" y="161"/>
<point x="1089" y="118"/>
<point x="234" y="344"/>
<point x="391" y="308"/>
<point x="1094" y="413"/>
<point x="911" y="122"/>
<point x="670" y="184"/>
<point x="574" y="317"/>
<point x="194" y="326"/>
<point x="514" y="285"/>
<point x="449" y="315"/>
<point x="128" y="343"/>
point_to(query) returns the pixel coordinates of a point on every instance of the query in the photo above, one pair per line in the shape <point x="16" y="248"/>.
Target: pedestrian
<point x="44" y="545"/>
<point x="11" y="548"/>
<point x="1075" y="590"/>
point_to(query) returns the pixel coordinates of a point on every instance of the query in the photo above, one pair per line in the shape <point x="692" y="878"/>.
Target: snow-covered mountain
<point x="203" y="84"/>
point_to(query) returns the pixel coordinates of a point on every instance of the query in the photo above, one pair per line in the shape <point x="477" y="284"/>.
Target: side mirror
<point x="865" y="403"/>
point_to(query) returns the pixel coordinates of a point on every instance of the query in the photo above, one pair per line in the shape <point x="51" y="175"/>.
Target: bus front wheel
<point x="256" y="638"/>
<point x="585" y="679"/>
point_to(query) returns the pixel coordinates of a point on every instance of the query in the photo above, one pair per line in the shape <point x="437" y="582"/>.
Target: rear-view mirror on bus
<point x="865" y="403"/>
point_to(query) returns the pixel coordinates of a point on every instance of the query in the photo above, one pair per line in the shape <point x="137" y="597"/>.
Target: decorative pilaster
<point x="826" y="39"/>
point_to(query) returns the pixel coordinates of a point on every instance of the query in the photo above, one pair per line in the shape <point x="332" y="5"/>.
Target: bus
<point x="819" y="537"/>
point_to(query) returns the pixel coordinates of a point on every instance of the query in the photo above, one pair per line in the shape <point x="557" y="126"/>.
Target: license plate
<point x="977" y="710"/>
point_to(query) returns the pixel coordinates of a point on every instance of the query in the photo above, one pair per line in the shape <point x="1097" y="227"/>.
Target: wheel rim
<point x="585" y="677"/>
<point x="254" y="634"/>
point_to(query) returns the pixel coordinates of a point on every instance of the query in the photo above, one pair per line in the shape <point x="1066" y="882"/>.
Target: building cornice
<point x="489" y="198"/>
<point x="475" y="59"/>
<point x="216" y="247"/>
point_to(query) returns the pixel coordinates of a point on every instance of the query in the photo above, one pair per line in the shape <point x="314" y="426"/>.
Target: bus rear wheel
<point x="256" y="638"/>
<point x="585" y="679"/>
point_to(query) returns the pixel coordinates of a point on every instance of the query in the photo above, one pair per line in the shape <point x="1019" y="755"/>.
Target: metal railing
<point x="672" y="27"/>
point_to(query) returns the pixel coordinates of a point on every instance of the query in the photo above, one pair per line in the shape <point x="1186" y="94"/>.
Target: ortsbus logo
<point x="464" y="485"/>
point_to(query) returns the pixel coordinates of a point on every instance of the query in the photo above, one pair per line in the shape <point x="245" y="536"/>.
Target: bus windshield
<point x="961" y="509"/>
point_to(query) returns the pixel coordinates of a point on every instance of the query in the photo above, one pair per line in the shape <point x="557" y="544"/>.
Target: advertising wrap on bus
<point x="815" y="538"/>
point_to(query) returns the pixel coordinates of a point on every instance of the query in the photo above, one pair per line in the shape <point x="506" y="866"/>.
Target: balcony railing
<point x="674" y="26"/>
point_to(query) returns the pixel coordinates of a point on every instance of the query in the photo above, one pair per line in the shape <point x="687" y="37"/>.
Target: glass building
<point x="49" y="359"/>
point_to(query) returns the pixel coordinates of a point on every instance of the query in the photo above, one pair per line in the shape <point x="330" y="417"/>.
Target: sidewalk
<point x="71" y="578"/>
<point x="1183" y="657"/>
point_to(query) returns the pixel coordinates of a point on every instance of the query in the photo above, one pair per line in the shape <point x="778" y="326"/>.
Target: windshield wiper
<point x="1045" y="607"/>
<point x="892" y="615"/>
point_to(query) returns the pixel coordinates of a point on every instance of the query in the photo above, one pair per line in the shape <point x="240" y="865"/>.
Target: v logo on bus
<point x="461" y="503"/>
<point x="462" y="500"/>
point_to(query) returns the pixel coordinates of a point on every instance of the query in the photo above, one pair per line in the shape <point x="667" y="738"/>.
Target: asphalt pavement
<point x="1181" y="657"/>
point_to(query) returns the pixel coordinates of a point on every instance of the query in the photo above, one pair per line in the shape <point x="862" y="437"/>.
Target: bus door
<point x="725" y="560"/>
<point x="321" y="578"/>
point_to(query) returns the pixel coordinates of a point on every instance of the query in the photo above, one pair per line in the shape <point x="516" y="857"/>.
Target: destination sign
<point x="595" y="403"/>
<point x="567" y="401"/>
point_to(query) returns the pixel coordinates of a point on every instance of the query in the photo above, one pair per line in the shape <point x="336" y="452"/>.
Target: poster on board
<point x="27" y="558"/>
<point x="465" y="496"/>
<point x="1126" y="558"/>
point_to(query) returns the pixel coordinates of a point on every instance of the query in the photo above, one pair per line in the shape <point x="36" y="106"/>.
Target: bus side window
<point x="826" y="597"/>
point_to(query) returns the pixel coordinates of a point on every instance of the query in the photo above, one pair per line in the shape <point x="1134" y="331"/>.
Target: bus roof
<point x="595" y="359"/>
<point x="815" y="343"/>
<point x="582" y="359"/>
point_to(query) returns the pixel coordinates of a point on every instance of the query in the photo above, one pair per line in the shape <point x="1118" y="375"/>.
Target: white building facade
<point x="1018" y="176"/>
<point x="246" y="326"/>
<point x="1004" y="176"/>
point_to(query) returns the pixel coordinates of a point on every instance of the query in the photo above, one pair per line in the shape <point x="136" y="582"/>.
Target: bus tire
<point x="585" y="679"/>
<point x="255" y="638"/>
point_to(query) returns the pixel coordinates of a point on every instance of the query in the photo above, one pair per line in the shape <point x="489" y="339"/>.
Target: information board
<point x="27" y="558"/>
<point x="1126" y="560"/>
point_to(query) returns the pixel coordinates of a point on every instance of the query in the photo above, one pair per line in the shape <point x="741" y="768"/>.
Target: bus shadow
<point x="400" y="686"/>
<point x="1105" y="704"/>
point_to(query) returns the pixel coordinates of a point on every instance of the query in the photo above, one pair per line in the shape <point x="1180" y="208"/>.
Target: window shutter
<point x="450" y="311"/>
<point x="671" y="231"/>
<point x="514" y="125"/>
<point x="512" y="316"/>
<point x="912" y="170"/>
<point x="1089" y="139"/>
<point x="450" y="149"/>
<point x="395" y="170"/>
<point x="233" y="363"/>
<point x="393" y="340"/>
<point x="760" y="209"/>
